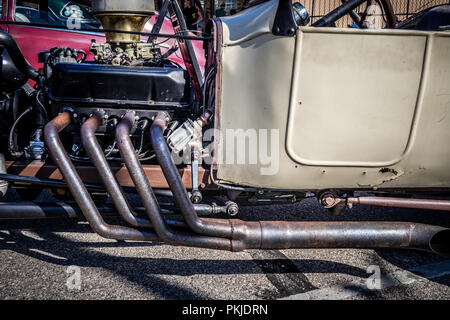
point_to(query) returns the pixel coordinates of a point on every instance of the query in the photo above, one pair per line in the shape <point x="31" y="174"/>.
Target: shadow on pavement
<point x="81" y="253"/>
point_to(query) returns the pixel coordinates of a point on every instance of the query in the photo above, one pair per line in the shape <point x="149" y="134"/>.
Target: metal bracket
<point x="196" y="194"/>
<point x="284" y="23"/>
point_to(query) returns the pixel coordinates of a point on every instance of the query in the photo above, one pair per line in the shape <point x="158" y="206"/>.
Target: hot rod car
<point x="283" y="110"/>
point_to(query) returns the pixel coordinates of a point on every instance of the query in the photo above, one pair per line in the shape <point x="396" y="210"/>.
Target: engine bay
<point x="127" y="73"/>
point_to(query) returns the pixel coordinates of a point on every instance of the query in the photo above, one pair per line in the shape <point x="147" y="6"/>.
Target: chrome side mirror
<point x="301" y="16"/>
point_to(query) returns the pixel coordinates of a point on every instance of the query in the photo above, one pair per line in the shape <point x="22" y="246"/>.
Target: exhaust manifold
<point x="223" y="234"/>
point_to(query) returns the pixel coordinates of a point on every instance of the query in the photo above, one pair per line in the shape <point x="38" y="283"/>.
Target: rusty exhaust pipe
<point x="148" y="197"/>
<point x="286" y="235"/>
<point x="79" y="191"/>
<point x="295" y="235"/>
<point x="208" y="227"/>
<point x="237" y="234"/>
<point x="93" y="149"/>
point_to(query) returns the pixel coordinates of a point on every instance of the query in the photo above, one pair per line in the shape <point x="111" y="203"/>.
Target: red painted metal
<point x="33" y="40"/>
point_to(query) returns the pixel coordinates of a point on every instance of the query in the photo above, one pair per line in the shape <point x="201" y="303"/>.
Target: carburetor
<point x="125" y="53"/>
<point x="124" y="48"/>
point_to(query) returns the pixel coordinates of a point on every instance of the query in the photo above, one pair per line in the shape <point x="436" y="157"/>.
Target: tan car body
<point x="356" y="109"/>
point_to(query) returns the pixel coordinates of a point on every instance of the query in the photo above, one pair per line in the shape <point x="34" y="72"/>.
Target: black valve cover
<point x="145" y="88"/>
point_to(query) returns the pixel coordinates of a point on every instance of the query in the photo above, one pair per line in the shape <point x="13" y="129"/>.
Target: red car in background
<point x="56" y="13"/>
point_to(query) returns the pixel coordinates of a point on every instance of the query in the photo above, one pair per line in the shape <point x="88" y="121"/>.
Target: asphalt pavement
<point x="63" y="259"/>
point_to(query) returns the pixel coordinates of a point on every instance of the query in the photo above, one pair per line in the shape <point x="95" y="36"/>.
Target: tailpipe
<point x="440" y="242"/>
<point x="362" y="235"/>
